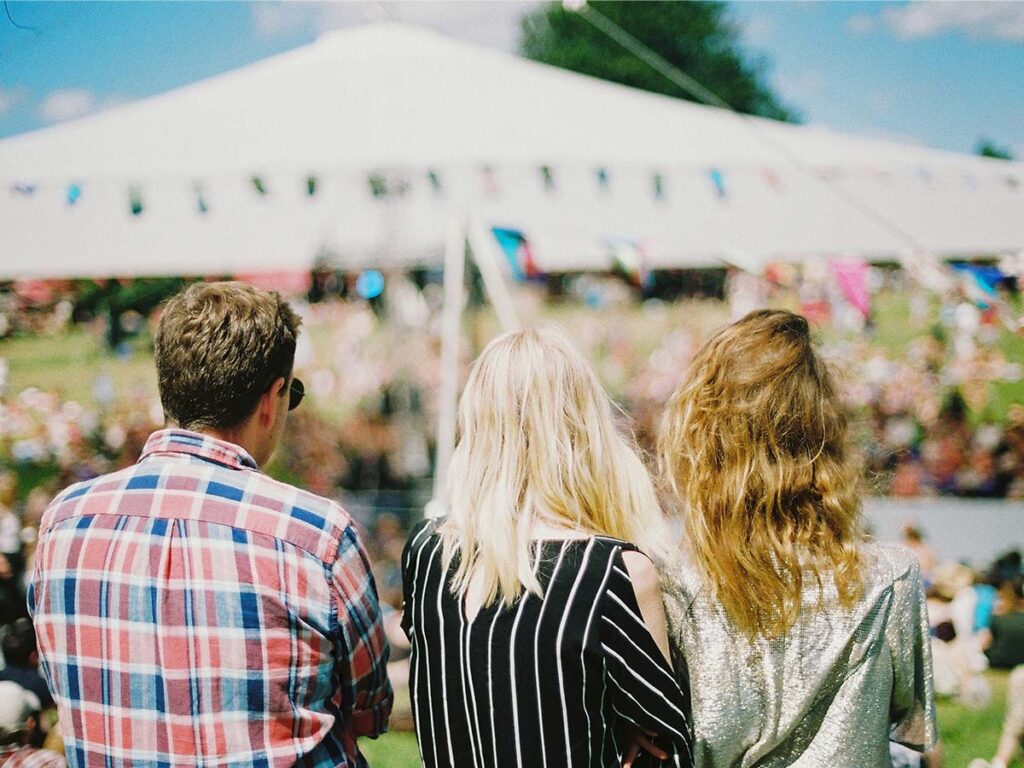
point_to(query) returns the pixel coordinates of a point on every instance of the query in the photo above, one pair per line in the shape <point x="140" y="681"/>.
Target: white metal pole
<point x="487" y="256"/>
<point x="454" y="297"/>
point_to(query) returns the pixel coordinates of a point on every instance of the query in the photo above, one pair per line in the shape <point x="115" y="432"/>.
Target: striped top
<point x="552" y="681"/>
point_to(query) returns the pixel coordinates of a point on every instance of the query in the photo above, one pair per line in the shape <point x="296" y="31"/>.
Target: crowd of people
<point x="928" y="414"/>
<point x="976" y="619"/>
<point x="368" y="441"/>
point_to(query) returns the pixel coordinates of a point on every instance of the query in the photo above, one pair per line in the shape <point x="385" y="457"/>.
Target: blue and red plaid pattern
<point x="192" y="611"/>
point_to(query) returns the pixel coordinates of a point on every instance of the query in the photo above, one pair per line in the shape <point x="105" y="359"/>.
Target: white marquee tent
<point x="448" y="129"/>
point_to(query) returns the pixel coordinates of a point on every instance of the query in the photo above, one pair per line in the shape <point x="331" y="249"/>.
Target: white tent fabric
<point x="404" y="102"/>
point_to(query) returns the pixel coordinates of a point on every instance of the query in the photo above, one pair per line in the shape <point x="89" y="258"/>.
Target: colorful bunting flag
<point x="378" y="184"/>
<point x="435" y="182"/>
<point x="311" y="185"/>
<point x="490" y="182"/>
<point x="718" y="179"/>
<point x="201" y="205"/>
<point x="548" y="178"/>
<point x="658" y="183"/>
<point x="135" y="201"/>
<point x="603" y="180"/>
<point x="852" y="277"/>
<point x="74" y="193"/>
<point x="23" y="188"/>
<point x="259" y="186"/>
<point x="628" y="258"/>
<point x="517" y="251"/>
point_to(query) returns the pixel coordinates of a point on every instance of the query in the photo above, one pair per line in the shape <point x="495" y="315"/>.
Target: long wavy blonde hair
<point x="537" y="443"/>
<point x="754" y="446"/>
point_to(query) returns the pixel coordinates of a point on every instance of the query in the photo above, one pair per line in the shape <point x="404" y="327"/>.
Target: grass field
<point x="70" y="363"/>
<point x="966" y="734"/>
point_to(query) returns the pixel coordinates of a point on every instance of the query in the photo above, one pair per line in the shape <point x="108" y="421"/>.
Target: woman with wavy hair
<point x="536" y="620"/>
<point x="804" y="644"/>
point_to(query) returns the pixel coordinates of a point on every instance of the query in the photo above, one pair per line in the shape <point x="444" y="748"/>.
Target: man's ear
<point x="266" y="411"/>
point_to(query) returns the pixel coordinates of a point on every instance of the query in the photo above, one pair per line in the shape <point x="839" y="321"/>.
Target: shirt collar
<point x="204" y="447"/>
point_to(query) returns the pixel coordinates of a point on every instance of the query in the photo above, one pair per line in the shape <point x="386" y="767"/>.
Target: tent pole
<point x="451" y="318"/>
<point x="487" y="258"/>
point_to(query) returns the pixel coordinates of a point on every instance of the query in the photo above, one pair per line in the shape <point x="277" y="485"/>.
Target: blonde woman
<point x="804" y="644"/>
<point x="537" y="626"/>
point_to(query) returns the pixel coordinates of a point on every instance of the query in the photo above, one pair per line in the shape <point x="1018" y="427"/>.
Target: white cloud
<point x="759" y="29"/>
<point x="861" y="23"/>
<point x="980" y="19"/>
<point x="9" y="99"/>
<point x="494" y="24"/>
<point x="74" y="102"/>
<point x="800" y="87"/>
<point x="66" y="104"/>
<point x="279" y="19"/>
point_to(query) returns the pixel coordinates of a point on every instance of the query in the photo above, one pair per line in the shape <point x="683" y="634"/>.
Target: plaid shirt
<point x="192" y="611"/>
<point x="29" y="757"/>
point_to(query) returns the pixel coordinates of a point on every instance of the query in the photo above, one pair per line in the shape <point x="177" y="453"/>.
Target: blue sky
<point x="938" y="73"/>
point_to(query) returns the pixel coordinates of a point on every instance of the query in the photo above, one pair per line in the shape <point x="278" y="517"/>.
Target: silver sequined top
<point x="830" y="693"/>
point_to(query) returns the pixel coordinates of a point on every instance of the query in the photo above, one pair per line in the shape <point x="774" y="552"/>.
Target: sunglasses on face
<point x="296" y="392"/>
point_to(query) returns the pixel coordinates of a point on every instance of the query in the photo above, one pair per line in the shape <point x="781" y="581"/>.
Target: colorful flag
<point x="517" y="251"/>
<point x="852" y="277"/>
<point x="718" y="179"/>
<point x="629" y="259"/>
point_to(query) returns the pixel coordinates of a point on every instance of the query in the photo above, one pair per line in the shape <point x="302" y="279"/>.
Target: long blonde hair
<point x="754" y="446"/>
<point x="538" y="443"/>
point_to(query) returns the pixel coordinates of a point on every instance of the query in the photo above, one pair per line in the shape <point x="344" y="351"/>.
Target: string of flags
<point x="382" y="185"/>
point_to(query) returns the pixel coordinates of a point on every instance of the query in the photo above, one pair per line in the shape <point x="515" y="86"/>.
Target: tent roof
<point x="390" y="94"/>
<point x="394" y="97"/>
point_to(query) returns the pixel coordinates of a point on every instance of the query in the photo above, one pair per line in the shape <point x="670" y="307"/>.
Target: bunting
<point x="517" y="253"/>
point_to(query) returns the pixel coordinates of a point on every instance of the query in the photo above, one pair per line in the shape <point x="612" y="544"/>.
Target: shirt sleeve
<point x="913" y="694"/>
<point x="364" y="693"/>
<point x="643" y="687"/>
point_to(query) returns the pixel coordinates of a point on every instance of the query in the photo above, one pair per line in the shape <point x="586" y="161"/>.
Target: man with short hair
<point x="192" y="611"/>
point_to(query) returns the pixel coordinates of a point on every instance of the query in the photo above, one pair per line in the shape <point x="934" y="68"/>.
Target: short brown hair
<point x="219" y="346"/>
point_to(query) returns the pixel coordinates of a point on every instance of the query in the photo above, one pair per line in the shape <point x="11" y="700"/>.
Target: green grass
<point x="970" y="733"/>
<point x="70" y="362"/>
<point x="392" y="750"/>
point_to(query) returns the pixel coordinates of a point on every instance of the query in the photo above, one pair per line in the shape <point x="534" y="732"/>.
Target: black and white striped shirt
<point x="545" y="683"/>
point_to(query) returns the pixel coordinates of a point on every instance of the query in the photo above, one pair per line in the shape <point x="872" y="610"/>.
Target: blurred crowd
<point x="927" y="419"/>
<point x="976" y="619"/>
<point x="930" y="416"/>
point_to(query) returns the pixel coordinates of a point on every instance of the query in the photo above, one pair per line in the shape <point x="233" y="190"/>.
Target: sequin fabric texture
<point x="831" y="692"/>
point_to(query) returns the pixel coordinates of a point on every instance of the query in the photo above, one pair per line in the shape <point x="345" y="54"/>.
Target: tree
<point x="988" y="148"/>
<point x="697" y="37"/>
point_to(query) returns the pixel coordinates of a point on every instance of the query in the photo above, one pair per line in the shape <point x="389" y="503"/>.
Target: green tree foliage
<point x="988" y="148"/>
<point x="697" y="37"/>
